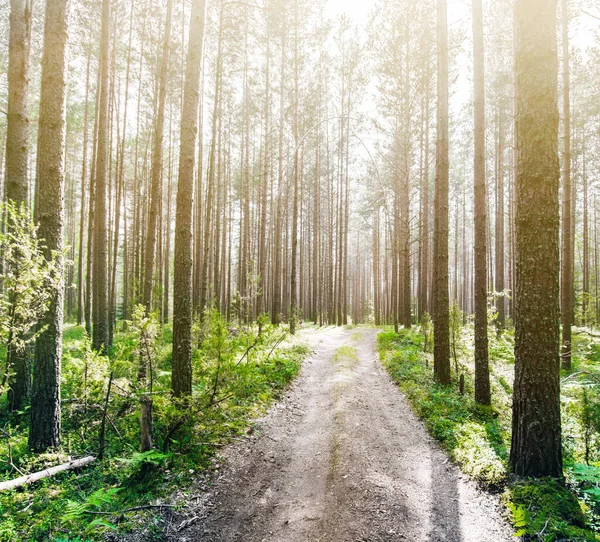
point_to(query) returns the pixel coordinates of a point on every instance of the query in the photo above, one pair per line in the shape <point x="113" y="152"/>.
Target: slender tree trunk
<point x="293" y="286"/>
<point x="211" y="174"/>
<point x="482" y="373"/>
<point x="499" y="274"/>
<point x="82" y="222"/>
<point x="441" y="316"/>
<point x="567" y="261"/>
<point x="157" y="165"/>
<point x="100" y="283"/>
<point x="16" y="171"/>
<point x="276" y="305"/>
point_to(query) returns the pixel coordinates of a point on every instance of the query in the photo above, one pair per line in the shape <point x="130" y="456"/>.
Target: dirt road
<point x="342" y="459"/>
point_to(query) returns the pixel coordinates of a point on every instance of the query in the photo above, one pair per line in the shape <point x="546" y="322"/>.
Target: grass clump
<point x="346" y="356"/>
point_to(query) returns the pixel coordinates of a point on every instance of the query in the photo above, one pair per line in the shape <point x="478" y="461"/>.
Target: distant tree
<point x="482" y="372"/>
<point x="16" y="171"/>
<point x="100" y="251"/>
<point x="441" y="297"/>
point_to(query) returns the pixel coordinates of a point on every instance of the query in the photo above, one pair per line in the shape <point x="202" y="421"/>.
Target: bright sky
<point x="359" y="9"/>
<point x="459" y="12"/>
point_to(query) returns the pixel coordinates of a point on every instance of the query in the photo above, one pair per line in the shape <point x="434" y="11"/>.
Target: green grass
<point x="345" y="356"/>
<point x="478" y="438"/>
<point x="95" y="500"/>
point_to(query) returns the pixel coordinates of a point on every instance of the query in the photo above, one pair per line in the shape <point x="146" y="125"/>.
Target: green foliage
<point x="427" y="331"/>
<point x="584" y="480"/>
<point x="546" y="510"/>
<point x="345" y="356"/>
<point x="456" y="327"/>
<point x="27" y="279"/>
<point x="238" y="372"/>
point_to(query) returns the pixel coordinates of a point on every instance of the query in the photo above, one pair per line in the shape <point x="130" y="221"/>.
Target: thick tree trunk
<point x="44" y="430"/>
<point x="536" y="427"/>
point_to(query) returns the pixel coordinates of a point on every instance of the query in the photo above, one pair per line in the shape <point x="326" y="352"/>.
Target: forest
<point x="293" y="270"/>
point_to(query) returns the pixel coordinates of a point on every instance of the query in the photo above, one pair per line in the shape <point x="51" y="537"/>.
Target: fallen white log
<point x="35" y="476"/>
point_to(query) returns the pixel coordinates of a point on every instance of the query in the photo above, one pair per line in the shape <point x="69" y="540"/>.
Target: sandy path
<point x="342" y="459"/>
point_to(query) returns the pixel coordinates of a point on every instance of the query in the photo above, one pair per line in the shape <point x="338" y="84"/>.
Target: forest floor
<point x="341" y="458"/>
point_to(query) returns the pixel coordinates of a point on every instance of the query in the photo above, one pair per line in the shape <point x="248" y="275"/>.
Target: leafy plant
<point x="27" y="281"/>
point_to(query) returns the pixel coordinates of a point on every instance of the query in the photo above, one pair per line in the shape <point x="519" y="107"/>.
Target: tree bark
<point x="100" y="252"/>
<point x="536" y="426"/>
<point x="441" y="316"/>
<point x="44" y="430"/>
<point x="566" y="261"/>
<point x="16" y="178"/>
<point x="182" y="285"/>
<point x="482" y="373"/>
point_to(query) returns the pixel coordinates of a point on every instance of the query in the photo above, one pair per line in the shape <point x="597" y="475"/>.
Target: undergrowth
<point x="238" y="372"/>
<point x="478" y="438"/>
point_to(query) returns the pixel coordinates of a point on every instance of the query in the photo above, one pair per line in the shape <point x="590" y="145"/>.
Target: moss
<point x="547" y="510"/>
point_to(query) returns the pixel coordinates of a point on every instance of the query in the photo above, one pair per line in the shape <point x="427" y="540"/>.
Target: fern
<point x="137" y="459"/>
<point x="520" y="519"/>
<point x="95" y="502"/>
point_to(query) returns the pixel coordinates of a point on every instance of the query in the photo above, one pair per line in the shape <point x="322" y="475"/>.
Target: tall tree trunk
<point x="100" y="253"/>
<point x="277" y="248"/>
<point x="44" y="430"/>
<point x="182" y="285"/>
<point x="82" y="221"/>
<point x="157" y="165"/>
<point x="482" y="373"/>
<point x="211" y="174"/>
<point x="293" y="286"/>
<point x="16" y="178"/>
<point x="536" y="427"/>
<point x="262" y="240"/>
<point x="567" y="260"/>
<point x="499" y="274"/>
<point x="441" y="316"/>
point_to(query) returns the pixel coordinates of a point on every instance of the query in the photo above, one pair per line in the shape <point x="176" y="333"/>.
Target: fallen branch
<point x="34" y="477"/>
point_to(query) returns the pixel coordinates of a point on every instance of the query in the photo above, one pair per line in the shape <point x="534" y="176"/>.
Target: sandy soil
<point x="342" y="458"/>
